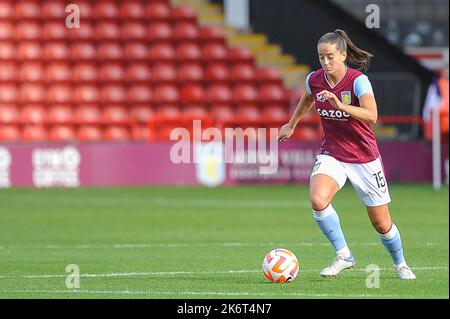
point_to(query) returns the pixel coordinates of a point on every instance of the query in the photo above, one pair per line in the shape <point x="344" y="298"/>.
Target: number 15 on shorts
<point x="379" y="178"/>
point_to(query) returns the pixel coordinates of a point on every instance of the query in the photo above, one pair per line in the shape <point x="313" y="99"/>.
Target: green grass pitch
<point x="194" y="242"/>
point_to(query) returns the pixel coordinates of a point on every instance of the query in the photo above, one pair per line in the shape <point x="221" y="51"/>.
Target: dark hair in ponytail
<point x="343" y="43"/>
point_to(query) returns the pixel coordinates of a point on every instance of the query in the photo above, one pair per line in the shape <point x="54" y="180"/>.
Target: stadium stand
<point x="134" y="70"/>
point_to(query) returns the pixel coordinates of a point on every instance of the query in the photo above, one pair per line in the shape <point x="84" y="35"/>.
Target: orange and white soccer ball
<point x="280" y="265"/>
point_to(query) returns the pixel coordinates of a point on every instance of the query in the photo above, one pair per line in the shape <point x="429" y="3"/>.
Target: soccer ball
<point x="280" y="265"/>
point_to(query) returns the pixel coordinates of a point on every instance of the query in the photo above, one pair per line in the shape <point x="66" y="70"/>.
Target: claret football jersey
<point x="344" y="137"/>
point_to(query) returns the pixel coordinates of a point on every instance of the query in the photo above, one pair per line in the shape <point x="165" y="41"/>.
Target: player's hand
<point x="330" y="97"/>
<point x="285" y="132"/>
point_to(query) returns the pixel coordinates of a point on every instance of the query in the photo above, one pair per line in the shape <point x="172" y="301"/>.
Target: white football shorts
<point x="367" y="179"/>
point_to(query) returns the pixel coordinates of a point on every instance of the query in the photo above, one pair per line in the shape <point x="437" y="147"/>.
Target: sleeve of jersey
<point x="362" y="86"/>
<point x="308" y="89"/>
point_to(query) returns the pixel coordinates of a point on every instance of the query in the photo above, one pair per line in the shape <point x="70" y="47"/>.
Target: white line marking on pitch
<point x="202" y="293"/>
<point x="174" y="273"/>
<point x="159" y="201"/>
<point x="177" y="245"/>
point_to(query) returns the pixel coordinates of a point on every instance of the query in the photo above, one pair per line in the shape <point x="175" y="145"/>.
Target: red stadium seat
<point x="7" y="31"/>
<point x="135" y="51"/>
<point x="188" y="52"/>
<point x="9" y="114"/>
<point x="115" y="114"/>
<point x="164" y="73"/>
<point x="140" y="94"/>
<point x="111" y="72"/>
<point x="184" y="32"/>
<point x="162" y="52"/>
<point x="169" y="110"/>
<point x="166" y="94"/>
<point x="195" y="110"/>
<point x="58" y="72"/>
<point x="222" y="112"/>
<point x="6" y="10"/>
<point x="220" y="93"/>
<point x="269" y="75"/>
<point x="8" y="71"/>
<point x="138" y="72"/>
<point x="31" y="72"/>
<point x="190" y="72"/>
<point x="241" y="55"/>
<point x="243" y="73"/>
<point x="27" y="10"/>
<point x="217" y="72"/>
<point x="134" y="31"/>
<point x="86" y="94"/>
<point x="132" y="10"/>
<point x="106" y="10"/>
<point x="276" y="113"/>
<point x="109" y="51"/>
<point x="83" y="51"/>
<point x="215" y="52"/>
<point x="294" y="95"/>
<point x="183" y="14"/>
<point x="306" y="133"/>
<point x="85" y="72"/>
<point x="86" y="32"/>
<point x="55" y="30"/>
<point x="211" y="35"/>
<point x="271" y="93"/>
<point x="7" y="50"/>
<point x="59" y="94"/>
<point x="159" y="31"/>
<point x="192" y="94"/>
<point x="86" y="9"/>
<point x="60" y="114"/>
<point x="113" y="93"/>
<point x="9" y="133"/>
<point x="29" y="50"/>
<point x="245" y="94"/>
<point x="158" y="11"/>
<point x="56" y="51"/>
<point x="32" y="93"/>
<point x="248" y="112"/>
<point x="28" y="30"/>
<point x="53" y="10"/>
<point x="33" y="114"/>
<point x="116" y="134"/>
<point x="87" y="114"/>
<point x="61" y="133"/>
<point x="33" y="133"/>
<point x="140" y="133"/>
<point x="9" y="93"/>
<point x="89" y="133"/>
<point x="107" y="31"/>
<point x="141" y="113"/>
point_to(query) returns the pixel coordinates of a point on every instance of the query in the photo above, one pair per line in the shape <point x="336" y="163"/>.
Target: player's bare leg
<point x="390" y="237"/>
<point x="323" y="188"/>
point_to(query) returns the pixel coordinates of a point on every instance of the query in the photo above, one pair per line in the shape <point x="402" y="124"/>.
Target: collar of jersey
<point x="333" y="87"/>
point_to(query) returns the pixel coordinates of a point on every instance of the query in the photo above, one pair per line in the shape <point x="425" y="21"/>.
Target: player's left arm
<point x="367" y="109"/>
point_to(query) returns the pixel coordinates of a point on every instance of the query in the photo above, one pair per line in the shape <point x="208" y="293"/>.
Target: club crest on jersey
<point x="346" y="97"/>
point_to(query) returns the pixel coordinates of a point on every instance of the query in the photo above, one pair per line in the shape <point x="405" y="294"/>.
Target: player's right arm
<point x="303" y="106"/>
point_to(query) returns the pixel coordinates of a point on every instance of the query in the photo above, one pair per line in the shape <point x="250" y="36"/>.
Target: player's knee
<point x="319" y="202"/>
<point x="382" y="227"/>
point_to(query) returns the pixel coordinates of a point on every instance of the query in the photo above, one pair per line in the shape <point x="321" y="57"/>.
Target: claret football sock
<point x="328" y="221"/>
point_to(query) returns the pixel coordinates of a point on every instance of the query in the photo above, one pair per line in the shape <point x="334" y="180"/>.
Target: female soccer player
<point x="344" y="99"/>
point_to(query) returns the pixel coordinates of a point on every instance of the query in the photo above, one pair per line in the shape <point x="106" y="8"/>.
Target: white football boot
<point x="338" y="265"/>
<point x="404" y="272"/>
